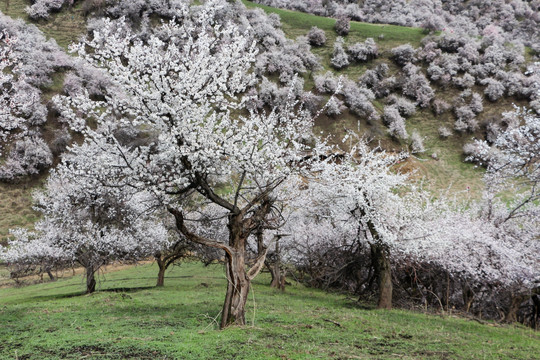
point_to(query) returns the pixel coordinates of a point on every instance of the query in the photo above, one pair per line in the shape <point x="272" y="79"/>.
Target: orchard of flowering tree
<point x="180" y="131"/>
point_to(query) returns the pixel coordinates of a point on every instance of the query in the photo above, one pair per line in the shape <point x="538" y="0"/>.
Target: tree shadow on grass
<point x="82" y="293"/>
<point x="127" y="289"/>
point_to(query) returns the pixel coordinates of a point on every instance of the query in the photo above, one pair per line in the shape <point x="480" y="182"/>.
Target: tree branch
<point x="179" y="217"/>
<point x="205" y="189"/>
<point x="259" y="264"/>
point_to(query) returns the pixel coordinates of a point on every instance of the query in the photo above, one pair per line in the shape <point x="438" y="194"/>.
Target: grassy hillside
<point x="65" y="27"/>
<point x="448" y="171"/>
<point x="296" y="23"/>
<point x="130" y="319"/>
<point x="15" y="208"/>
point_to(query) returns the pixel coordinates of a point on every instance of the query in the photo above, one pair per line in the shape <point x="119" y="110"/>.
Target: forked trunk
<point x="274" y="266"/>
<point x="234" y="307"/>
<point x="90" y="279"/>
<point x="278" y="277"/>
<point x="383" y="271"/>
<point x="238" y="277"/>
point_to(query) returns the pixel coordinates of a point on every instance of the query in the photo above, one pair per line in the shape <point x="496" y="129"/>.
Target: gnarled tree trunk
<point x="276" y="270"/>
<point x="383" y="270"/>
<point x="278" y="276"/>
<point x="238" y="278"/>
<point x="234" y="307"/>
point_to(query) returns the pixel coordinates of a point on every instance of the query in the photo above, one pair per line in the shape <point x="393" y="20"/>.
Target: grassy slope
<point x="129" y="318"/>
<point x="65" y="27"/>
<point x="449" y="171"/>
<point x="15" y="208"/>
<point x="297" y="23"/>
<point x="68" y="25"/>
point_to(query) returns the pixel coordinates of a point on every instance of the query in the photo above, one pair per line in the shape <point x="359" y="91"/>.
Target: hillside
<point x="129" y="318"/>
<point x="448" y="170"/>
<point x="64" y="27"/>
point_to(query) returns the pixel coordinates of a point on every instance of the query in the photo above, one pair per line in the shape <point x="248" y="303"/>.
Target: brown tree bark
<point x="51" y="276"/>
<point x="90" y="279"/>
<point x="238" y="278"/>
<point x="278" y="277"/>
<point x="238" y="284"/>
<point x="468" y="297"/>
<point x="168" y="257"/>
<point x="273" y="263"/>
<point x="161" y="272"/>
<point x="383" y="270"/>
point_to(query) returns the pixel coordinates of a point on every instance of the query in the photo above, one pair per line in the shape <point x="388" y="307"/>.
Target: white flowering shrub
<point x="342" y="26"/>
<point x="406" y="108"/>
<point x="365" y="51"/>
<point x="316" y="36"/>
<point x="41" y="9"/>
<point x="334" y="107"/>
<point x="444" y="132"/>
<point x="440" y="106"/>
<point x="340" y="59"/>
<point x="395" y="122"/>
<point x="27" y="156"/>
<point x="326" y="83"/>
<point x="494" y="90"/>
<point x="417" y="87"/>
<point x="417" y="142"/>
<point x="359" y="100"/>
<point x="403" y="54"/>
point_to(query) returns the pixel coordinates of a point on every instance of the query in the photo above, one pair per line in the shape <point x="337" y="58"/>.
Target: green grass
<point x="65" y="27"/>
<point x="16" y="207"/>
<point x="130" y="319"/>
<point x="297" y="23"/>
